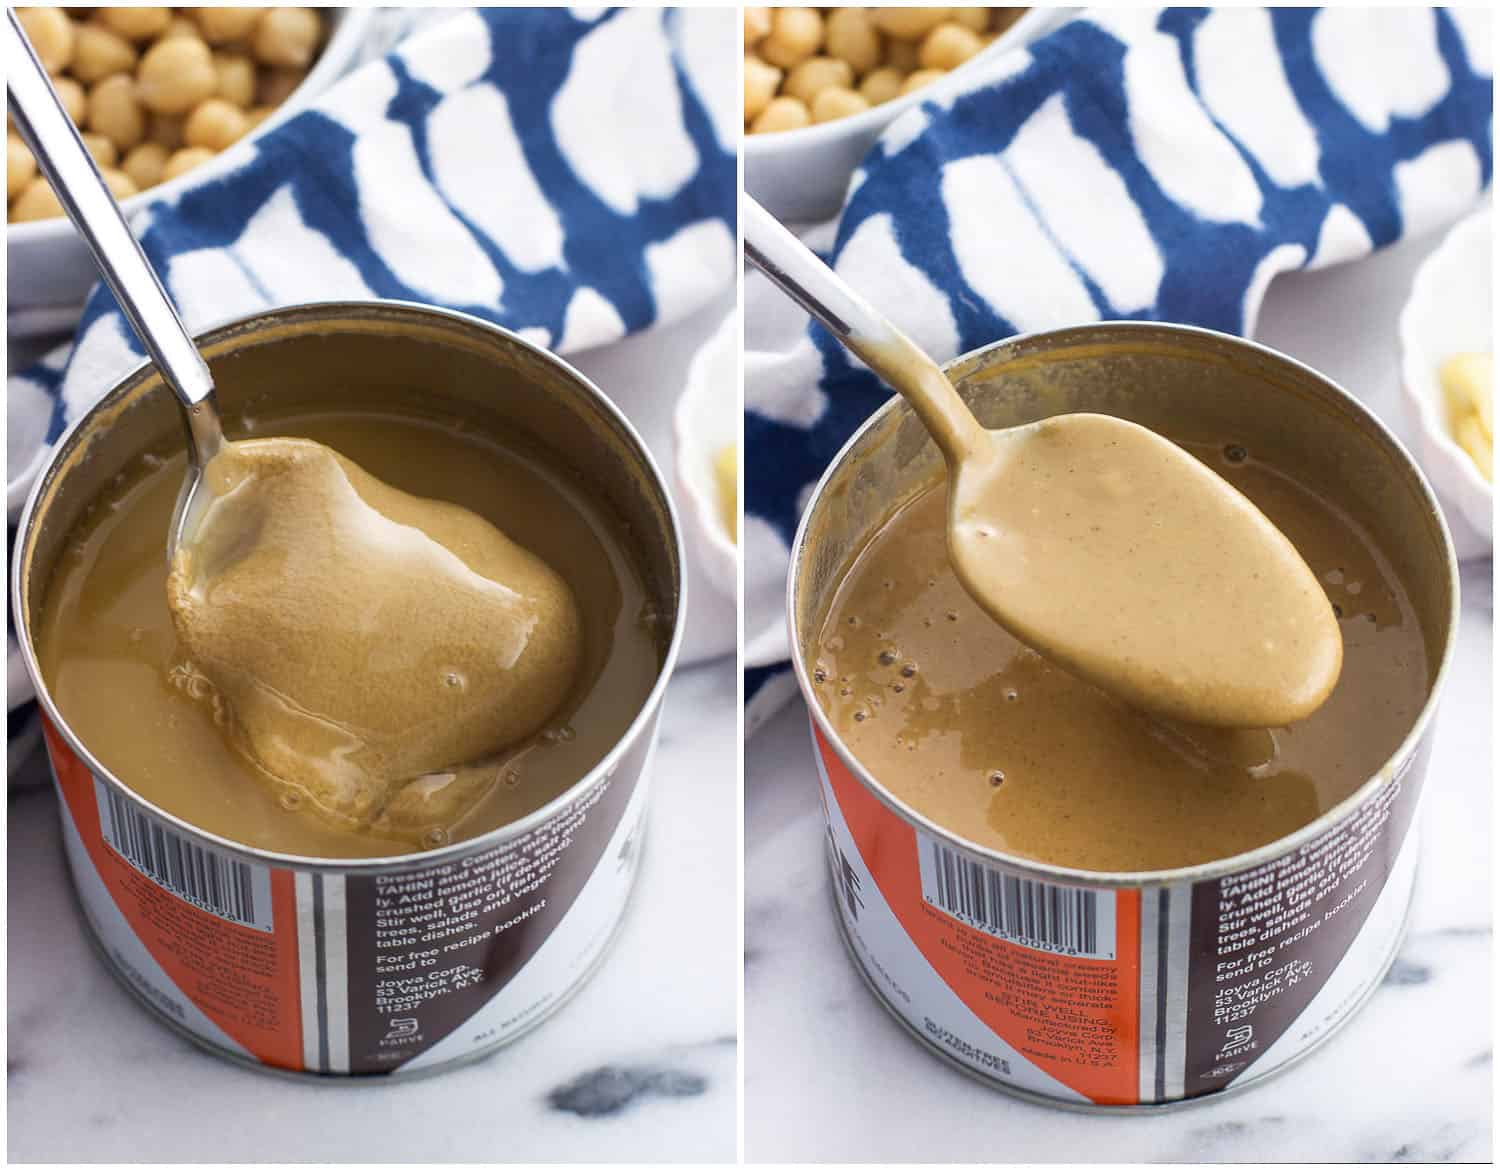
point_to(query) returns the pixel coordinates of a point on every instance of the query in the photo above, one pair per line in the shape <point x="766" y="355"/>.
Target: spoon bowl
<point x="1148" y="573"/>
<point x="1097" y="542"/>
<point x="205" y="441"/>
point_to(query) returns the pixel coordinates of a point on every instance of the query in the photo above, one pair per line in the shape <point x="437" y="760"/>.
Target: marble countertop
<point x="639" y="1067"/>
<point x="829" y="1075"/>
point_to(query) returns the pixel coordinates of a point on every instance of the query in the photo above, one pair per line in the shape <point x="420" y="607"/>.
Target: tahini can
<point x="386" y="967"/>
<point x="1122" y="991"/>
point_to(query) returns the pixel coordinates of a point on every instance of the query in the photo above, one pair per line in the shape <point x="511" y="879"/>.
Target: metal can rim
<point x="395" y="862"/>
<point x="1143" y="878"/>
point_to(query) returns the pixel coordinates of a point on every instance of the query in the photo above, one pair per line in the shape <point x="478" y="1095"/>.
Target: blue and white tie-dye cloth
<point x="1160" y="164"/>
<point x="569" y="175"/>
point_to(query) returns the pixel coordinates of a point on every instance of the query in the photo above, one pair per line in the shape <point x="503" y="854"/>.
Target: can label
<point x="1117" y="996"/>
<point x="1279" y="954"/>
<point x="338" y="973"/>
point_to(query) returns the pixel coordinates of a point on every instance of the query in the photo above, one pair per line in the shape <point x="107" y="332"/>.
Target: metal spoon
<point x="1099" y="543"/>
<point x="60" y="154"/>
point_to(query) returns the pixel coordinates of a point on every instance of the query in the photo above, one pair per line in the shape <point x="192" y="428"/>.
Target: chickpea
<point x="52" y="36"/>
<point x="75" y="101"/>
<point x="115" y="111"/>
<point x="881" y="85"/>
<point x="176" y="75"/>
<point x="761" y="81"/>
<point x="909" y="24"/>
<point x="165" y="129"/>
<point x="815" y="75"/>
<point x="757" y="24"/>
<point x="781" y="114"/>
<point x="276" y="85"/>
<point x="219" y="26"/>
<point x="99" y="53"/>
<point x="214" y="124"/>
<point x="901" y="55"/>
<point x="236" y="78"/>
<point x="103" y="150"/>
<point x="795" y="35"/>
<point x="135" y="24"/>
<point x="118" y="182"/>
<point x="157" y="91"/>
<point x="145" y="163"/>
<point x="837" y="101"/>
<point x="922" y="77"/>
<point x="287" y="37"/>
<point x="20" y="167"/>
<point x="857" y="57"/>
<point x="37" y="202"/>
<point x="948" y="46"/>
<point x="850" y="36"/>
<point x="183" y="161"/>
<point x="181" y="26"/>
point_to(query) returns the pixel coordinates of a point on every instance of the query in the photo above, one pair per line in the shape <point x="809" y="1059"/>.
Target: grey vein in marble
<point x="606" y="1091"/>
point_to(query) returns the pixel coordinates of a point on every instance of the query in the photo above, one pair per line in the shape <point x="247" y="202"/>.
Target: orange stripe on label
<point x="245" y="981"/>
<point x="1077" y="1019"/>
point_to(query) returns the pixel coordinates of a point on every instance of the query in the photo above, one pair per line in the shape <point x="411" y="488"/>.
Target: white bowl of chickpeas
<point x="821" y="84"/>
<point x="158" y="95"/>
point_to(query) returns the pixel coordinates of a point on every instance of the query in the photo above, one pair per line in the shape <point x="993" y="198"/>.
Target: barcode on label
<point x="1068" y="920"/>
<point x="237" y="891"/>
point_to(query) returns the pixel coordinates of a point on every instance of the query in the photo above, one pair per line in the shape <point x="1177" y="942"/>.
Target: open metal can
<point x="382" y="966"/>
<point x="1181" y="983"/>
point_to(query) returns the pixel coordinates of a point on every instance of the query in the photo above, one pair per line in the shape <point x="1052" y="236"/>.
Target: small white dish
<point x="1450" y="311"/>
<point x="707" y="420"/>
<point x="800" y="176"/>
<point x="49" y="269"/>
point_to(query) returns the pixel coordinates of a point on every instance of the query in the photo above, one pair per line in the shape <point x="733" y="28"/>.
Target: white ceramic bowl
<point x="707" y="420"/>
<point x="50" y="271"/>
<point x="1450" y="311"/>
<point x="800" y="176"/>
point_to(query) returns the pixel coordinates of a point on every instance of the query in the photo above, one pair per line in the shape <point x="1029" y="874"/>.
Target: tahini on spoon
<point x="1100" y="544"/>
<point x="61" y="156"/>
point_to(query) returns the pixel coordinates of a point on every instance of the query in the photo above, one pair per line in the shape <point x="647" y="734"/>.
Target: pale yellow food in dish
<point x="811" y="65"/>
<point x="727" y="474"/>
<point x="1468" y="382"/>
<point x="159" y="91"/>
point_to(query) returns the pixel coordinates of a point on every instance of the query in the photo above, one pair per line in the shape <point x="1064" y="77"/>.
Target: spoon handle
<point x="69" y="168"/>
<point x="851" y="319"/>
